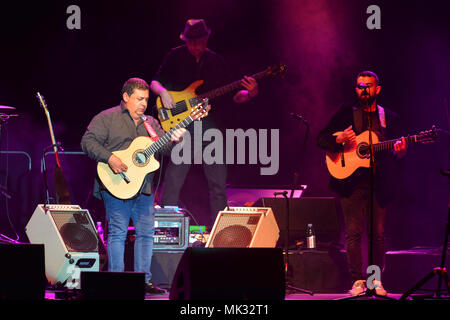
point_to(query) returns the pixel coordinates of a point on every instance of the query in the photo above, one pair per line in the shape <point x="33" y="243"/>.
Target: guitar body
<point x="169" y="118"/>
<point x="139" y="165"/>
<point x="342" y="165"/>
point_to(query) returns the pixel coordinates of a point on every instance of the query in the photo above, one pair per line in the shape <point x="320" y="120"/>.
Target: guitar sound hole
<point x="363" y="150"/>
<point x="140" y="158"/>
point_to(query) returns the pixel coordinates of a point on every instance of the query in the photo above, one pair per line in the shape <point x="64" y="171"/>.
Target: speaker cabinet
<point x="229" y="274"/>
<point x="244" y="227"/>
<point x="70" y="240"/>
<point x="164" y="266"/>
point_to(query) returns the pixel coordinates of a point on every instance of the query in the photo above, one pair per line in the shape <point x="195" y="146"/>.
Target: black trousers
<point x="216" y="175"/>
<point x="356" y="212"/>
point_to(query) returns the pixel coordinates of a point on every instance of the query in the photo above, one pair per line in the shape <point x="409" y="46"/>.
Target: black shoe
<point x="151" y="288"/>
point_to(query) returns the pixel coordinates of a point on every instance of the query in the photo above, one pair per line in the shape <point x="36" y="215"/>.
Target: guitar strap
<point x="382" y="116"/>
<point x="150" y="130"/>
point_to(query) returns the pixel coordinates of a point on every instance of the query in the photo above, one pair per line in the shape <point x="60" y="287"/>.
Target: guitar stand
<point x="44" y="168"/>
<point x="441" y="271"/>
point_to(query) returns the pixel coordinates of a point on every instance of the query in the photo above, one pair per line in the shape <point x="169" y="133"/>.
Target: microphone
<point x="298" y="117"/>
<point x="283" y="193"/>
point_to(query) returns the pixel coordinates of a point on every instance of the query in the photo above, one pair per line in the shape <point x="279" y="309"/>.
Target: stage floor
<point x="296" y="296"/>
<point x="51" y="295"/>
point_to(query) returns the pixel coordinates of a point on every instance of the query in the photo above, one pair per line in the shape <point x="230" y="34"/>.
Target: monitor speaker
<point x="70" y="240"/>
<point x="229" y="274"/>
<point x="22" y="272"/>
<point x="244" y="227"/>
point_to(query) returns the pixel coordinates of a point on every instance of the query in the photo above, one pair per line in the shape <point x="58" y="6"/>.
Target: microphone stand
<point x="286" y="248"/>
<point x="370" y="292"/>
<point x="302" y="154"/>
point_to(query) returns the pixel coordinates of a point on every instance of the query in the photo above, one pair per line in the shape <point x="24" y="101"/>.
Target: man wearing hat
<point x="181" y="67"/>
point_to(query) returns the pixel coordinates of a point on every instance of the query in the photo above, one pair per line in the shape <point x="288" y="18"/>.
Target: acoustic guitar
<point x="140" y="160"/>
<point x="342" y="165"/>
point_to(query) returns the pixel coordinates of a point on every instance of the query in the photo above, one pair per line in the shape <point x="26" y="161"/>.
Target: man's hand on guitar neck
<point x="251" y="90"/>
<point x="177" y="135"/>
<point x="116" y="165"/>
<point x="400" y="148"/>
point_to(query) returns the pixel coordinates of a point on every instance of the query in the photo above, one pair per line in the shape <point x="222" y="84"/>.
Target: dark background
<point x="323" y="43"/>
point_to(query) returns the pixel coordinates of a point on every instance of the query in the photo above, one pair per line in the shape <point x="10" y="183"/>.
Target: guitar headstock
<point x="427" y="136"/>
<point x="42" y="101"/>
<point x="276" y="69"/>
<point x="200" y="110"/>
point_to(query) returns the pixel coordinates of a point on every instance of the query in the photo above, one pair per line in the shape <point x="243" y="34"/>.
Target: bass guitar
<point x="186" y="99"/>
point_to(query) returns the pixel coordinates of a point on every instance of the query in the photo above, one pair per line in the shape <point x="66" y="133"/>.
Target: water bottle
<point x="100" y="231"/>
<point x="310" y="237"/>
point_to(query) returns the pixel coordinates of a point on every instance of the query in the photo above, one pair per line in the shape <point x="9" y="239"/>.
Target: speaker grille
<point x="76" y="230"/>
<point x="235" y="230"/>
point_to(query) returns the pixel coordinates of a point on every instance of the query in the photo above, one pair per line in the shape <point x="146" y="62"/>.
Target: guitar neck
<point x="389" y="144"/>
<point x="162" y="141"/>
<point x="52" y="136"/>
<point x="230" y="87"/>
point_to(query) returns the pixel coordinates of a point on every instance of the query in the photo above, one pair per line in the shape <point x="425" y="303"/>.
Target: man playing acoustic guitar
<point x="112" y="130"/>
<point x="340" y="136"/>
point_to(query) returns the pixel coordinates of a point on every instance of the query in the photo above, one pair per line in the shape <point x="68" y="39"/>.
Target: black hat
<point x="195" y="29"/>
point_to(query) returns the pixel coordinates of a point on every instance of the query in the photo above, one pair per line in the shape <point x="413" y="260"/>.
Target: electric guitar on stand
<point x="186" y="99"/>
<point x="60" y="183"/>
<point x="342" y="165"/>
<point x="140" y="160"/>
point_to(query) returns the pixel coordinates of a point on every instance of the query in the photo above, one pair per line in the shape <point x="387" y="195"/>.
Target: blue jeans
<point x="118" y="213"/>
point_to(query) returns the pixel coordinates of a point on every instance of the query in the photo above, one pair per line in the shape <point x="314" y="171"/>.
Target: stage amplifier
<point x="171" y="229"/>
